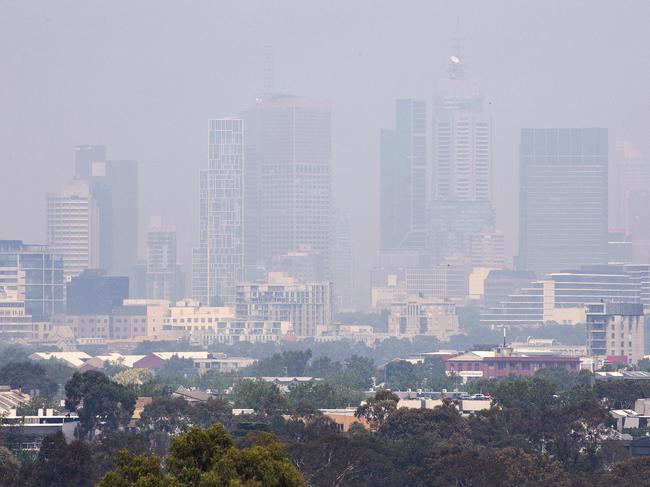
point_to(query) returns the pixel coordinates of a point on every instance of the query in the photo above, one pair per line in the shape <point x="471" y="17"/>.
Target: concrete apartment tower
<point x="73" y="225"/>
<point x="217" y="263"/>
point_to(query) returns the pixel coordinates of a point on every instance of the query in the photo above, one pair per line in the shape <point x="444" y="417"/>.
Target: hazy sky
<point x="143" y="78"/>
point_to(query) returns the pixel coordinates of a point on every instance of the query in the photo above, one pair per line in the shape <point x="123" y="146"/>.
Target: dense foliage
<point x="551" y="429"/>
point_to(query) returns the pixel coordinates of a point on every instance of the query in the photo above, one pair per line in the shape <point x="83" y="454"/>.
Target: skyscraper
<point x="462" y="158"/>
<point x="403" y="173"/>
<point x="462" y="133"/>
<point x="114" y="187"/>
<point x="630" y="198"/>
<point x="342" y="265"/>
<point x="287" y="178"/>
<point x="218" y="260"/>
<point x="121" y="181"/>
<point x="563" y="198"/>
<point x="73" y="227"/>
<point x="162" y="269"/>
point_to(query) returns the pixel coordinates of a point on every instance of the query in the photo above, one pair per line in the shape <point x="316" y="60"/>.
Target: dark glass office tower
<point x="121" y="181"/>
<point x="94" y="293"/>
<point x="563" y="198"/>
<point x="403" y="162"/>
<point x="114" y="188"/>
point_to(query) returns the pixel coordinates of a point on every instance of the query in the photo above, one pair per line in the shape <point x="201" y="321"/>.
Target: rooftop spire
<point x="456" y="66"/>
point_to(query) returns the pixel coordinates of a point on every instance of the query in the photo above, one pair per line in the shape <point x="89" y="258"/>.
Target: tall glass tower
<point x="287" y="179"/>
<point x="218" y="260"/>
<point x="563" y="198"/>
<point x="403" y="192"/>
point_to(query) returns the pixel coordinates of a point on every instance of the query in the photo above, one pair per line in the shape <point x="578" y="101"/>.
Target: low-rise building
<point x="423" y="316"/>
<point x="11" y="399"/>
<point x="344" y="418"/>
<point x="191" y="395"/>
<point x="285" y="382"/>
<point x="34" y="428"/>
<point x="306" y="305"/>
<point x="230" y="330"/>
<point x="501" y="363"/>
<point x="637" y="418"/>
<point x="71" y="359"/>
<point x="548" y="346"/>
<point x="222" y="364"/>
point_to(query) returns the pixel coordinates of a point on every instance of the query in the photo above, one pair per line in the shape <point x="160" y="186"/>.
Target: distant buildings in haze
<point x="563" y="198"/>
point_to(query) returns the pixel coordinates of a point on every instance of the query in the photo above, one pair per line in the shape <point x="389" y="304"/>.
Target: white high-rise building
<point x="462" y="134"/>
<point x="462" y="157"/>
<point x="73" y="227"/>
<point x="218" y="260"/>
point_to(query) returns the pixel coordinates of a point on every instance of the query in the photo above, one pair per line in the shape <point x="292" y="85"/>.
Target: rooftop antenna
<point x="456" y="67"/>
<point x="268" y="69"/>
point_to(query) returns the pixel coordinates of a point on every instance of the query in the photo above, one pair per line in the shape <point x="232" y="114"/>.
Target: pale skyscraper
<point x="630" y="198"/>
<point x="462" y="158"/>
<point x="287" y="178"/>
<point x="218" y="260"/>
<point x="73" y="227"/>
<point x="462" y="134"/>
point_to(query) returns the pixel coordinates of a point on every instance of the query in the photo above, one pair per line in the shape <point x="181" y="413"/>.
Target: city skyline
<point x="530" y="83"/>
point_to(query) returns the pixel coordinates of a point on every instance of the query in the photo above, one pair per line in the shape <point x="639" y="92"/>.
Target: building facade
<point x="31" y="289"/>
<point x="342" y="266"/>
<point x="218" y="261"/>
<point x="73" y="227"/>
<point x="462" y="158"/>
<point x="563" y="198"/>
<point x="616" y="330"/>
<point x="93" y="292"/>
<point x="498" y="365"/>
<point x="487" y="249"/>
<point x="287" y="181"/>
<point x="307" y="306"/>
<point x="630" y="198"/>
<point x="563" y="295"/>
<point x="163" y="277"/>
<point x="423" y="316"/>
<point x="403" y="171"/>
<point x="114" y="186"/>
